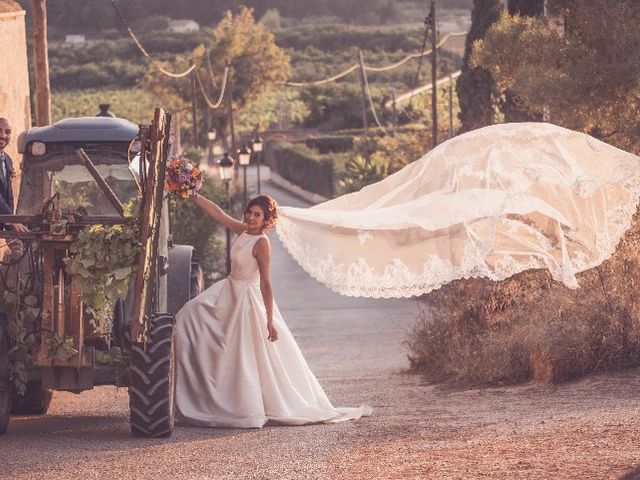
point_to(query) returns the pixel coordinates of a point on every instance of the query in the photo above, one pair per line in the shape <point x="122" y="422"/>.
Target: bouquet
<point x="183" y="179"/>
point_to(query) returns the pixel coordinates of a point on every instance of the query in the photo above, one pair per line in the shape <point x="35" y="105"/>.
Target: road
<point x="587" y="429"/>
<point x="351" y="344"/>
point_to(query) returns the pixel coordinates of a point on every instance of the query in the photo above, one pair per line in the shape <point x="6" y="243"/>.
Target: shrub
<point x="305" y="167"/>
<point x="133" y="104"/>
<point x="529" y="327"/>
<point x="188" y="228"/>
<point x="330" y="143"/>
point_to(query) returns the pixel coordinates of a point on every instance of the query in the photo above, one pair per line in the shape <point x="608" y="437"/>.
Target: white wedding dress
<point x="229" y="374"/>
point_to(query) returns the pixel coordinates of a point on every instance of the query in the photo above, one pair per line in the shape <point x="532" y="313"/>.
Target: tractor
<point x="77" y="174"/>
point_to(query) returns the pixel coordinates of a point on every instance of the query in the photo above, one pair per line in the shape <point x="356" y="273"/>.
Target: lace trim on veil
<point x="612" y="193"/>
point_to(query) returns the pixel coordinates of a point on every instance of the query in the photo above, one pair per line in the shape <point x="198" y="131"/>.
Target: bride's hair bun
<point x="269" y="207"/>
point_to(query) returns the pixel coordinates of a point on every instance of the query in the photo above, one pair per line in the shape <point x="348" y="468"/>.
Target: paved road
<point x="353" y="345"/>
<point x="586" y="429"/>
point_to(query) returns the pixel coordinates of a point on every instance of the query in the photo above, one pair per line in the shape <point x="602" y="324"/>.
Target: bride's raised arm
<point x="214" y="211"/>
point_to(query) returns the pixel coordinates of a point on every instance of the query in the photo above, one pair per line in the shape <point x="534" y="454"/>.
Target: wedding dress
<point x="229" y="374"/>
<point x="489" y="203"/>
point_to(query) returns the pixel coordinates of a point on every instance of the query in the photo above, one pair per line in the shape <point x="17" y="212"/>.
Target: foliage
<point x="151" y="23"/>
<point x="256" y="65"/>
<point x="475" y="85"/>
<point x="60" y="348"/>
<point x="586" y="76"/>
<point x="529" y="327"/>
<point x="189" y="228"/>
<point x="334" y="106"/>
<point x="95" y="75"/>
<point x="360" y="172"/>
<point x="278" y="108"/>
<point x="23" y="312"/>
<point x="396" y="151"/>
<point x="255" y="62"/>
<point x="334" y="38"/>
<point x="68" y="16"/>
<point x="114" y="358"/>
<point x="526" y="7"/>
<point x="103" y="260"/>
<point x="133" y="104"/>
<point x="271" y="19"/>
<point x="305" y="167"/>
<point x="330" y="143"/>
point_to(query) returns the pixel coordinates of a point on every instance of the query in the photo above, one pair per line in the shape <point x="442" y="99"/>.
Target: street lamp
<point x="244" y="157"/>
<point x="257" y="148"/>
<point x="211" y="135"/>
<point x="225" y="169"/>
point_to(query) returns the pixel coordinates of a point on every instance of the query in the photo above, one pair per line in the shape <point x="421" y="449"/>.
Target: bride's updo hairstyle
<point x="269" y="208"/>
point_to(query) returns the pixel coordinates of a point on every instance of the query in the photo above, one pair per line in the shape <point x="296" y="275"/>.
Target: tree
<point x="585" y="75"/>
<point x="256" y="66"/>
<point x="41" y="63"/>
<point x="526" y="8"/>
<point x="511" y="106"/>
<point x="475" y="85"/>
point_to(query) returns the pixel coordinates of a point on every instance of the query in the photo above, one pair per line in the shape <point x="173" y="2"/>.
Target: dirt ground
<point x="587" y="429"/>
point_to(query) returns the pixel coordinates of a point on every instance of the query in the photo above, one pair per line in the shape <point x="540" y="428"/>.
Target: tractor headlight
<point x="38" y="148"/>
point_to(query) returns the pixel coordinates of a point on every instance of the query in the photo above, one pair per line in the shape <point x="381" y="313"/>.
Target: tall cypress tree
<point x="526" y="8"/>
<point x="475" y="86"/>
<point x="511" y="107"/>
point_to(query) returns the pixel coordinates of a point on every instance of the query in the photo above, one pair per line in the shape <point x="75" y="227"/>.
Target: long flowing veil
<point x="490" y="203"/>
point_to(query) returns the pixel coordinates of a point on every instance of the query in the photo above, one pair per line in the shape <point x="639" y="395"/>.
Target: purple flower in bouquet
<point x="182" y="179"/>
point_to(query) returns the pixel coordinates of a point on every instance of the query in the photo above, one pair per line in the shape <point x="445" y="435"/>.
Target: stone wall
<point x="14" y="79"/>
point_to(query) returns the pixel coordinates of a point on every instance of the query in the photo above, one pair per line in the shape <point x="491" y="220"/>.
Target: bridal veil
<point x="489" y="203"/>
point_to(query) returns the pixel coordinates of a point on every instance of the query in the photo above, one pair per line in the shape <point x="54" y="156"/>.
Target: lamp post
<point x="244" y="157"/>
<point x="257" y="148"/>
<point x="225" y="169"/>
<point x="211" y="135"/>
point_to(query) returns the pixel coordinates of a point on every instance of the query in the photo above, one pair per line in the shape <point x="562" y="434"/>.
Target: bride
<point x="489" y="203"/>
<point x="238" y="365"/>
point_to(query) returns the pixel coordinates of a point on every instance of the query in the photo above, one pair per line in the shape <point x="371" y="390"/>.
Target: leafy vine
<point x="103" y="259"/>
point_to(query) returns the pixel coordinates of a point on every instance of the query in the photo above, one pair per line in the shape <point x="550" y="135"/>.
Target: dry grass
<point x="529" y="327"/>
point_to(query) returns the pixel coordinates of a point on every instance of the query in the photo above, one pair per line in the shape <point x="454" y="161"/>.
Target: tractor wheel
<point x="151" y="381"/>
<point x="196" y="278"/>
<point x="35" y="401"/>
<point x="5" y="409"/>
<point x="184" y="276"/>
<point x="5" y="381"/>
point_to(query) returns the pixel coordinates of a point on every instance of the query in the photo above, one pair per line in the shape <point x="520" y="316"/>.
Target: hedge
<point x="305" y="167"/>
<point x="330" y="143"/>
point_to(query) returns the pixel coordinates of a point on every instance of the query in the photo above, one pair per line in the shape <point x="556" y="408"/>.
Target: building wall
<point x="15" y="103"/>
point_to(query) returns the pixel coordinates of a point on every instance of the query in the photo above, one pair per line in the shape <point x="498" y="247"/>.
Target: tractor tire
<point x="120" y="331"/>
<point x="5" y="381"/>
<point x="5" y="409"/>
<point x="35" y="401"/>
<point x="152" y="381"/>
<point x="196" y="278"/>
<point x="184" y="275"/>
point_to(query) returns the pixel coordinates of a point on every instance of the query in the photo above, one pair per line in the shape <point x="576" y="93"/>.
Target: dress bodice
<point x="244" y="266"/>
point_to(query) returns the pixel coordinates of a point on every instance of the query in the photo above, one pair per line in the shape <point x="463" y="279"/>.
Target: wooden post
<point x="434" y="75"/>
<point x="394" y="110"/>
<point x="232" y="131"/>
<point x="194" y="108"/>
<point x="450" y="106"/>
<point x="152" y="204"/>
<point x="41" y="63"/>
<point x="364" y="94"/>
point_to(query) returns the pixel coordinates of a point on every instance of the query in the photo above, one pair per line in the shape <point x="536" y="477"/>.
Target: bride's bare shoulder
<point x="262" y="246"/>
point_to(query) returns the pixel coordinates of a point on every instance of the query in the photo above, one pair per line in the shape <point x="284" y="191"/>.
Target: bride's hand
<point x="273" y="333"/>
